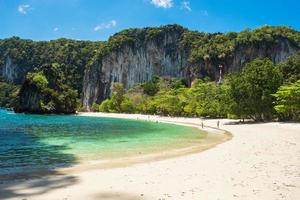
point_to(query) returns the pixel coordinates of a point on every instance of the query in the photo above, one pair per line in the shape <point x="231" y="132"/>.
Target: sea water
<point x="29" y="142"/>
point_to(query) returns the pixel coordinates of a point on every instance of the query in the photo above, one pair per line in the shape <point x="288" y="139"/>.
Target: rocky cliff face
<point x="134" y="64"/>
<point x="13" y="72"/>
<point x="29" y="100"/>
<point x="277" y="51"/>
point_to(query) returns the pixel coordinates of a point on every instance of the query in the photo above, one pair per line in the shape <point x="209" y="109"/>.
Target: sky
<point x="99" y="19"/>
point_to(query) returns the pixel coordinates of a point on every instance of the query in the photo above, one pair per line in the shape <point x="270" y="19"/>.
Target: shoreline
<point x="212" y="138"/>
<point x="261" y="161"/>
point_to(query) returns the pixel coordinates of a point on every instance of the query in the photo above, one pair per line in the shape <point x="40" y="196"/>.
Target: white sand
<point x="262" y="161"/>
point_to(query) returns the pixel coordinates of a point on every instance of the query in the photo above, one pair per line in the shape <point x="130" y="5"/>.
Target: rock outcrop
<point x="29" y="100"/>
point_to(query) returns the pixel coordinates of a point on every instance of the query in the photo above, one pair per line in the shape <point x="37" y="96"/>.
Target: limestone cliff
<point x="134" y="63"/>
<point x="13" y="72"/>
<point x="138" y="62"/>
<point x="277" y="50"/>
<point x="29" y="100"/>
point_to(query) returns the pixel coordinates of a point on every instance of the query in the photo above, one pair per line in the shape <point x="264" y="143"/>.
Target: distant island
<point x="168" y="70"/>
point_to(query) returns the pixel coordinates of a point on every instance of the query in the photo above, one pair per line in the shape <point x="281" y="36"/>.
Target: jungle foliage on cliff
<point x="72" y="55"/>
<point x="8" y="94"/>
<point x="47" y="88"/>
<point x="162" y="96"/>
<point x="218" y="46"/>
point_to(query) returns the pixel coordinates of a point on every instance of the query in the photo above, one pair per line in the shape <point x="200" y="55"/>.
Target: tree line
<point x="261" y="91"/>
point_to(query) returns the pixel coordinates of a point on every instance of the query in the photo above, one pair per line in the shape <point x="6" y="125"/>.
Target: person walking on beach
<point x="218" y="123"/>
<point x="202" y="124"/>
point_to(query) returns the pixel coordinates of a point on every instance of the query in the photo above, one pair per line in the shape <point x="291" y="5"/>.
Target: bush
<point x="127" y="106"/>
<point x="95" y="107"/>
<point x="105" y="106"/>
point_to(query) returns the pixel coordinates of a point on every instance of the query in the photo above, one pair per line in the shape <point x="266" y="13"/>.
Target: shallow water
<point x="30" y="142"/>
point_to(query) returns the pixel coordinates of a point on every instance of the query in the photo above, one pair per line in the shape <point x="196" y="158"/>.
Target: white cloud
<point x="107" y="25"/>
<point x="186" y="5"/>
<point x="23" y="9"/>
<point x="162" y="3"/>
<point x="204" y="12"/>
<point x="55" y="29"/>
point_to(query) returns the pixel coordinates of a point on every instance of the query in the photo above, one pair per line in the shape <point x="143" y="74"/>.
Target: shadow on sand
<point x="240" y="122"/>
<point x="249" y="122"/>
<point x="28" y="188"/>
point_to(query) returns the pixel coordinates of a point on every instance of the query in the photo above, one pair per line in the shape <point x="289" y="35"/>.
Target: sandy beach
<point x="261" y="161"/>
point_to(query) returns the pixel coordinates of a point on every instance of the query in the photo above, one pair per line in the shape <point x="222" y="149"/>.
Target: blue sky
<point x="98" y="19"/>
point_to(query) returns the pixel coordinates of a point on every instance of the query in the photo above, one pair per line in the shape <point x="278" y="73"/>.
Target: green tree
<point x="105" y="106"/>
<point x="168" y="104"/>
<point x="147" y="105"/>
<point x="291" y="68"/>
<point x="207" y="99"/>
<point x="127" y="105"/>
<point x="39" y="79"/>
<point x="288" y="101"/>
<point x="151" y="87"/>
<point x="252" y="89"/>
<point x="118" y="92"/>
<point x="95" y="107"/>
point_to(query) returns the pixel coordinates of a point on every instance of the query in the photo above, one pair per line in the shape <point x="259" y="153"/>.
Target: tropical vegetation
<point x="54" y="72"/>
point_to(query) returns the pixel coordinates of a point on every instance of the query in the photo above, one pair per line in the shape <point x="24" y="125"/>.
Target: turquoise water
<point x="29" y="142"/>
